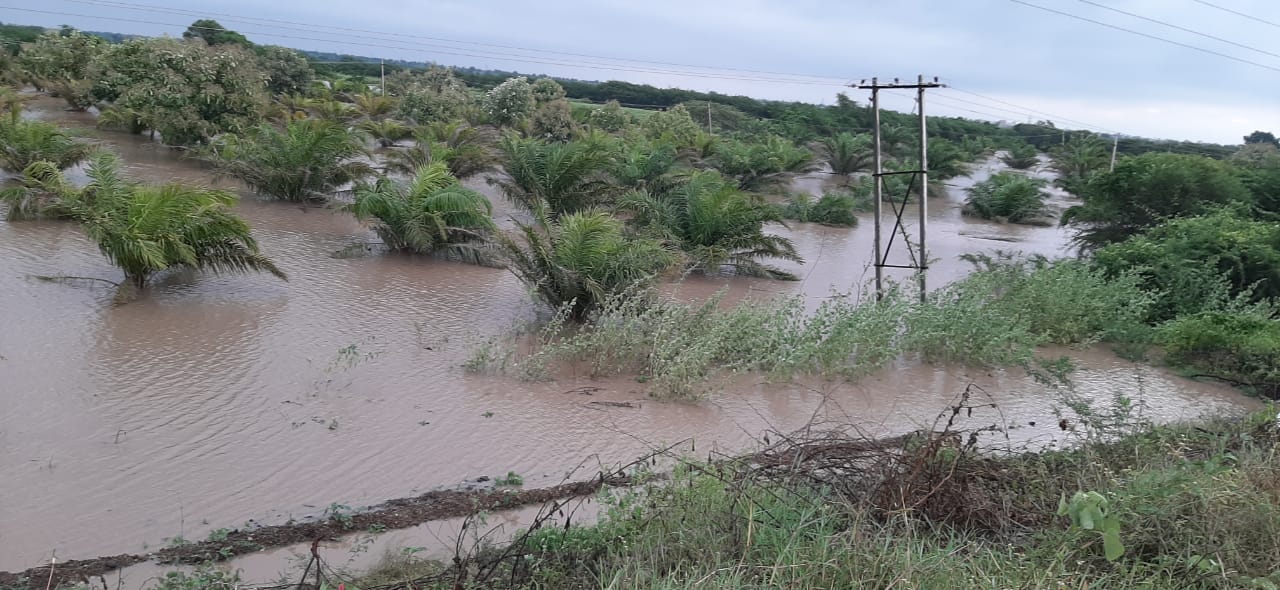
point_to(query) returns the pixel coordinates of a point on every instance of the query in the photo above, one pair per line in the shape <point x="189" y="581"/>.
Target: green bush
<point x="1241" y="346"/>
<point x="1145" y="191"/>
<point x="1199" y="263"/>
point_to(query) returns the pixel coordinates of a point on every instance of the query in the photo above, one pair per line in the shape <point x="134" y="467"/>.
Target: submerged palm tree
<point x="647" y="166"/>
<point x="306" y="161"/>
<point x="42" y="193"/>
<point x="847" y="154"/>
<point x="11" y="102"/>
<point x="292" y="106"/>
<point x="432" y="214"/>
<point x="465" y="149"/>
<point x="716" y="224"/>
<point x="581" y="260"/>
<point x="333" y="110"/>
<point x="374" y="106"/>
<point x="145" y="230"/>
<point x="23" y="143"/>
<point x="554" y="179"/>
<point x="1077" y="160"/>
<point x="1021" y="157"/>
<point x="762" y="166"/>
<point x="386" y="132"/>
<point x="126" y="119"/>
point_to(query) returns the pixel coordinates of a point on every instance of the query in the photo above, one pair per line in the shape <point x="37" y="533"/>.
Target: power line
<point x="418" y="48"/>
<point x="398" y="37"/>
<point x="1149" y="36"/>
<point x="1031" y="110"/>
<point x="957" y="108"/>
<point x="1238" y="13"/>
<point x="1180" y="28"/>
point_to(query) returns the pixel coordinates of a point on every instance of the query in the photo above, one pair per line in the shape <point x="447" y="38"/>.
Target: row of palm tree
<point x="694" y="207"/>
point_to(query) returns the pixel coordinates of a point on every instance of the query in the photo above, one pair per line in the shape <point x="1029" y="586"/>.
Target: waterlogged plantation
<point x="491" y="285"/>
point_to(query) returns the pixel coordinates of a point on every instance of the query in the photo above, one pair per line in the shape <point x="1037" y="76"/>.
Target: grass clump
<point x="996" y="317"/>
<point x="1240" y="347"/>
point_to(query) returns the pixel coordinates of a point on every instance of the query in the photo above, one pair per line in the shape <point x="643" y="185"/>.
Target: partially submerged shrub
<point x="1021" y="157"/>
<point x="1238" y="346"/>
<point x="23" y="143"/>
<point x="997" y="316"/>
<point x="831" y="209"/>
<point x="430" y="214"/>
<point x="1005" y="196"/>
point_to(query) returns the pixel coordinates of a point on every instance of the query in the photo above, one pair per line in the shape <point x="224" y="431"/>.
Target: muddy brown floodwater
<point x="212" y="401"/>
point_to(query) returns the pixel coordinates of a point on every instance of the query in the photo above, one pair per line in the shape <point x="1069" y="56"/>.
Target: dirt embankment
<point x="393" y="514"/>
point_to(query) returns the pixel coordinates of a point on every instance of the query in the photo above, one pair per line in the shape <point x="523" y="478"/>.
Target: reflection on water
<point x="215" y="400"/>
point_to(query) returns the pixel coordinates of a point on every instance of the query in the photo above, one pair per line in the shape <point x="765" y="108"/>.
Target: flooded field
<point x="213" y="401"/>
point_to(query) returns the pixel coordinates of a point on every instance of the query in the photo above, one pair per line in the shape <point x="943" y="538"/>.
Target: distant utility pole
<point x="383" y="87"/>
<point x="920" y="261"/>
<point x="708" y="117"/>
<point x="1115" y="147"/>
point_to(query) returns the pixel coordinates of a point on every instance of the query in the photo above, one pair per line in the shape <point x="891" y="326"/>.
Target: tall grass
<point x="996" y="317"/>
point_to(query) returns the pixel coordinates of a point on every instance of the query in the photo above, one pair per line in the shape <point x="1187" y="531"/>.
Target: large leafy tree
<point x="432" y="96"/>
<point x="554" y="179"/>
<point x="1258" y="167"/>
<point x="430" y="214"/>
<point x="305" y="161"/>
<point x="59" y="62"/>
<point x="553" y="121"/>
<point x="1147" y="190"/>
<point x="23" y="143"/>
<point x="146" y="230"/>
<point x="674" y="125"/>
<point x="509" y="102"/>
<point x="1262" y="137"/>
<point x="188" y="92"/>
<point x="546" y="90"/>
<point x="213" y="33"/>
<point x="581" y="260"/>
<point x="287" y="71"/>
<point x="609" y="117"/>
<point x="716" y="224"/>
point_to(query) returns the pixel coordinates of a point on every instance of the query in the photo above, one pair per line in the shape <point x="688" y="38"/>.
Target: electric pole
<point x="920" y="254"/>
<point x="383" y="87"/>
<point x="708" y="117"/>
<point x="1115" y="147"/>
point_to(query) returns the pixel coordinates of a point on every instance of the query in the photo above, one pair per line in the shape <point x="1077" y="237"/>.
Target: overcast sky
<point x="999" y="49"/>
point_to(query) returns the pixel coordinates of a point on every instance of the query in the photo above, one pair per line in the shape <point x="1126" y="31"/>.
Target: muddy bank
<point x="393" y="514"/>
